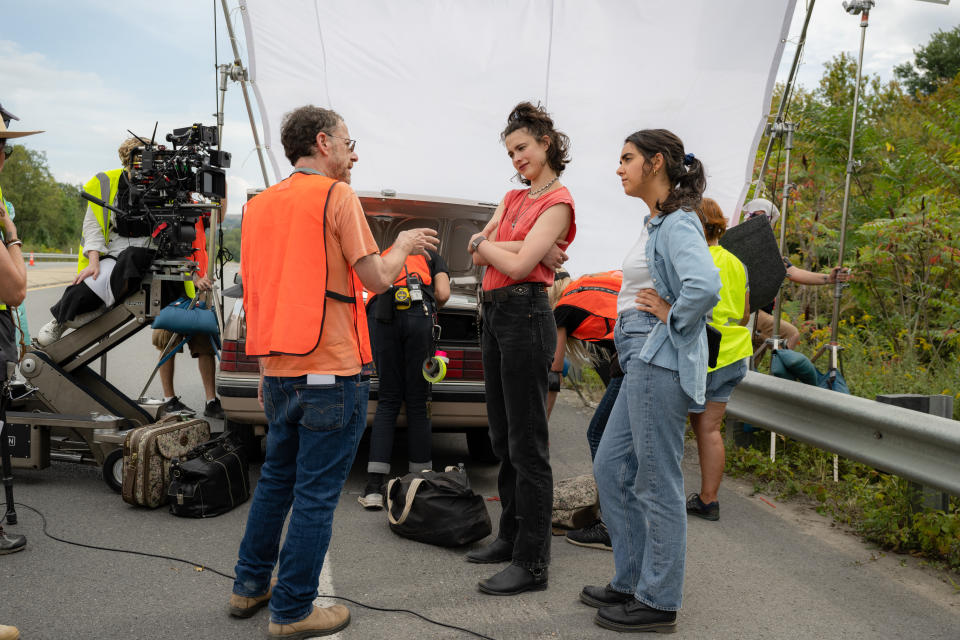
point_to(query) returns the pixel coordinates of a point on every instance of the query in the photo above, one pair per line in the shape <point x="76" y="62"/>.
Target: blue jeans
<point x="598" y="423"/>
<point x="312" y="441"/>
<point x="638" y="473"/>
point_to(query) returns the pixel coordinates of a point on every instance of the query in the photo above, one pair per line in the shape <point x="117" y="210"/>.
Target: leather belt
<point x="522" y="290"/>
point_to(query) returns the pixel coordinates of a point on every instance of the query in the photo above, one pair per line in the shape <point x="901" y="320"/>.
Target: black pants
<point x="77" y="299"/>
<point x="518" y="341"/>
<point x="399" y="349"/>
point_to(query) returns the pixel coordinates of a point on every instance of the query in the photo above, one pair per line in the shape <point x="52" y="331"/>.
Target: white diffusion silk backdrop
<point x="425" y="87"/>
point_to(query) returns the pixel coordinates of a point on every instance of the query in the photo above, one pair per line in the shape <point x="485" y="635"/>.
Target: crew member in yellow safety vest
<point x="13" y="289"/>
<point x="114" y="254"/>
<point x="730" y="317"/>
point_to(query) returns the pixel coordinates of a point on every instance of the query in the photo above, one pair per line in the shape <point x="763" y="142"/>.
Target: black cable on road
<point x="228" y="576"/>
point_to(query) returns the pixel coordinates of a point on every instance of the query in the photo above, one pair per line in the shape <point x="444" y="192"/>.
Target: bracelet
<point x="14" y="243"/>
<point x="476" y="243"/>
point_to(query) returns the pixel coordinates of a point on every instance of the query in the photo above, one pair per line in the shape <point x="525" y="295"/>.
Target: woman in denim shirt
<point x="670" y="285"/>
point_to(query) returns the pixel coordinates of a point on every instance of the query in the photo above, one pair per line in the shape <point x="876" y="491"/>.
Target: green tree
<point x="939" y="60"/>
<point x="49" y="214"/>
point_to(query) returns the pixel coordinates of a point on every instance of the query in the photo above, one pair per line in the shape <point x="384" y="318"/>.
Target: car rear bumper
<point x="454" y="405"/>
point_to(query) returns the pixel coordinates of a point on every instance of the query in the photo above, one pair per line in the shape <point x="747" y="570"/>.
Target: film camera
<point x="164" y="182"/>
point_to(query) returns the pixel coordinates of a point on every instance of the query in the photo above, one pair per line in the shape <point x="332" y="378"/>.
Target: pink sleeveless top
<point x="525" y="212"/>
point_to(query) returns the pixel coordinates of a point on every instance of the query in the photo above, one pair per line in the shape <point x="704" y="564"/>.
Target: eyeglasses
<point x="753" y="214"/>
<point x="351" y="144"/>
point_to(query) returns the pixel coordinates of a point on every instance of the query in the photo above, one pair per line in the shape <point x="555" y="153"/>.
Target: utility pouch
<point x="384" y="309"/>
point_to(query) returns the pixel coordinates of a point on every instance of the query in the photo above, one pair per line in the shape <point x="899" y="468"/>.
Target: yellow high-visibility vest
<point x="735" y="342"/>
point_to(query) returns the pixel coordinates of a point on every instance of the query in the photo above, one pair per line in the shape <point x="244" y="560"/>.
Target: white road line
<point x="325" y="585"/>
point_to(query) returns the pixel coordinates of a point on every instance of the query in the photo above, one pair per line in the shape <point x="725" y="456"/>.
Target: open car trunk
<point x="454" y="220"/>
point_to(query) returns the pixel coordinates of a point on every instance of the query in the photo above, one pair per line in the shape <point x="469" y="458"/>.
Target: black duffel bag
<point x="437" y="507"/>
<point x="212" y="478"/>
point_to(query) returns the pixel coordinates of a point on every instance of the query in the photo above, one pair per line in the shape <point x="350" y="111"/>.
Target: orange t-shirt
<point x="517" y="207"/>
<point x="348" y="238"/>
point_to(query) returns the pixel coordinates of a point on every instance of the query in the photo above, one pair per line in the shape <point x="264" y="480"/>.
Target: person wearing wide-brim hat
<point x="13" y="272"/>
<point x="13" y="289"/>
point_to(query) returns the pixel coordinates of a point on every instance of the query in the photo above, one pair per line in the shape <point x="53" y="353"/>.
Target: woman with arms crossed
<point x="518" y="341"/>
<point x="662" y="346"/>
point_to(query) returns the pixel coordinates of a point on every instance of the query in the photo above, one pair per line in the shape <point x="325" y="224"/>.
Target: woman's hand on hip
<point x="650" y="301"/>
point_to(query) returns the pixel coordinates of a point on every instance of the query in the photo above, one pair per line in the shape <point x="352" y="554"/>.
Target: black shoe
<point x="514" y="580"/>
<point x="497" y="551"/>
<point x="174" y="406"/>
<point x="594" y="536"/>
<point x="636" y="616"/>
<point x="214" y="409"/>
<point x="11" y="543"/>
<point x="603" y="596"/>
<point x="697" y="507"/>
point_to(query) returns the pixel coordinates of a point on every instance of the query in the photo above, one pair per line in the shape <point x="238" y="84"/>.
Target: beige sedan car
<point x="458" y="402"/>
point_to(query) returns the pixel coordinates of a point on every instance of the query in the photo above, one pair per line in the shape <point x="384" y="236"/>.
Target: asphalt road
<point x="765" y="570"/>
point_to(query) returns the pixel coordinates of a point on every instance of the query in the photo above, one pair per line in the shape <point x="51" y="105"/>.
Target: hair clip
<point x="688" y="159"/>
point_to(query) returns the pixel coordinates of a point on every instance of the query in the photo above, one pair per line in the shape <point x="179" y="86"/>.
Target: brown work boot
<point x="243" y="607"/>
<point x="322" y="621"/>
<point x="8" y="633"/>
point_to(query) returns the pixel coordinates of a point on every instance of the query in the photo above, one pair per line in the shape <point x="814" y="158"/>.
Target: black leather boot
<point x="514" y="580"/>
<point x="636" y="616"/>
<point x="497" y="551"/>
<point x="603" y="596"/>
<point x="11" y="543"/>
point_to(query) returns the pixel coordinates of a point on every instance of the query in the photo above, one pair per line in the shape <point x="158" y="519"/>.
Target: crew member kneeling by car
<point x="401" y="322"/>
<point x="307" y="253"/>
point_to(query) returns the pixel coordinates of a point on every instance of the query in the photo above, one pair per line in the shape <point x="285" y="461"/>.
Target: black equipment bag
<point x="212" y="478"/>
<point x="437" y="507"/>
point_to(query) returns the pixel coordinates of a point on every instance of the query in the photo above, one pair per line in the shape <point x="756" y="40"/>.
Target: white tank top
<point x="636" y="275"/>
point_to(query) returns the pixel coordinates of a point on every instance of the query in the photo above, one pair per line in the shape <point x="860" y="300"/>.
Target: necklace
<point x="529" y="200"/>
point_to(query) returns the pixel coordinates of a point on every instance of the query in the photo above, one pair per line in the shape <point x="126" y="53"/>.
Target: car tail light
<point x="233" y="357"/>
<point x="465" y="364"/>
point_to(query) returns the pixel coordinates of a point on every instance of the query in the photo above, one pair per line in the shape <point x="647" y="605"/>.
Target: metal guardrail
<point x="910" y="444"/>
<point x="49" y="256"/>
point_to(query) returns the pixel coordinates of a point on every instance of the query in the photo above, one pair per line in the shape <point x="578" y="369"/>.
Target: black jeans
<point x="518" y="341"/>
<point x="399" y="349"/>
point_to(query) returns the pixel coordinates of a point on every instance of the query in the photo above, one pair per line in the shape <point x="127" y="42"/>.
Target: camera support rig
<point x="72" y="413"/>
<point x="69" y="412"/>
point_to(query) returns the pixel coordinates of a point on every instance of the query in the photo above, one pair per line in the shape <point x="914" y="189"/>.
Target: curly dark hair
<point x="299" y="129"/>
<point x="684" y="171"/>
<point x="538" y="123"/>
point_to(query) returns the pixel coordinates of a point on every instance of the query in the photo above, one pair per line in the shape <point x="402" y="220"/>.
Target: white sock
<point x="168" y="398"/>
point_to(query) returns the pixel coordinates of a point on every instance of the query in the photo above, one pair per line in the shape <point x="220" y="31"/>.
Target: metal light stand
<point x="775" y="342"/>
<point x="853" y="7"/>
<point x="784" y="100"/>
<point x="786" y="130"/>
<point x="238" y="73"/>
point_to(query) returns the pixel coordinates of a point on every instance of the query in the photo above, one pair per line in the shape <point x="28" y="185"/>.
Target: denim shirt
<point x="684" y="275"/>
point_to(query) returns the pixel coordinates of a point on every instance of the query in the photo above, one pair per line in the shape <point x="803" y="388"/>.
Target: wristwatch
<point x="476" y="242"/>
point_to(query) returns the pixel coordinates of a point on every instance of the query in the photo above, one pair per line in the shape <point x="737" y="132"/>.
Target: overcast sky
<point x="88" y="70"/>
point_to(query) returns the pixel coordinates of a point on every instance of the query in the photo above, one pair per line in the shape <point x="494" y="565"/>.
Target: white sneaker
<point x="50" y="333"/>
<point x="371" y="501"/>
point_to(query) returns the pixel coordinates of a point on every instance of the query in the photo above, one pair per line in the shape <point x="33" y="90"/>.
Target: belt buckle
<point x="520" y="290"/>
